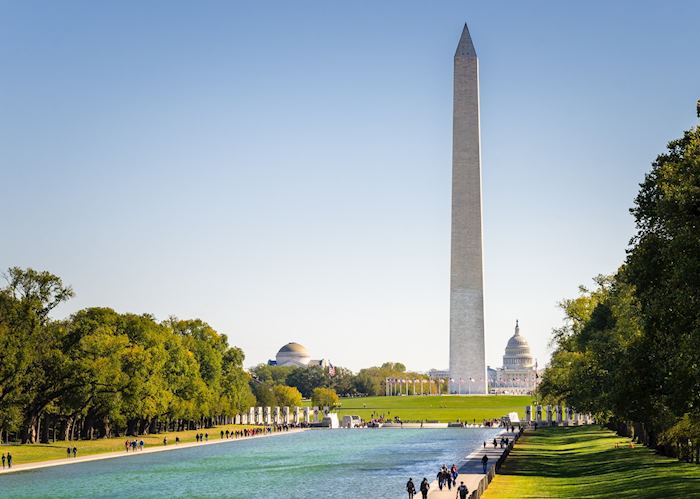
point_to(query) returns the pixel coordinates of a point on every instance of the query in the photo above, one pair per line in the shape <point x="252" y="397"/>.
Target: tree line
<point x="629" y="350"/>
<point x="100" y="373"/>
<point x="280" y="385"/>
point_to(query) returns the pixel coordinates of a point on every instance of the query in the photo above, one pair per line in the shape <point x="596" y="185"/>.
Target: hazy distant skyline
<point x="282" y="170"/>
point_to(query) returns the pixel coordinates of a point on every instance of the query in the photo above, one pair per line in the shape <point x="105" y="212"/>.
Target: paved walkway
<point x="147" y="450"/>
<point x="471" y="469"/>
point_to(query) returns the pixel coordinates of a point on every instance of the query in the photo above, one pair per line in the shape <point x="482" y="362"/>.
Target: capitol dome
<point x="293" y="354"/>
<point x="518" y="355"/>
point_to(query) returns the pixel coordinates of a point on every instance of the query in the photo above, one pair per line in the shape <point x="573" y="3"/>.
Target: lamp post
<point x="471" y="380"/>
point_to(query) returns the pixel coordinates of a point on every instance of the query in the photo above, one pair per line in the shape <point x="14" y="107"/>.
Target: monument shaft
<point x="467" y="349"/>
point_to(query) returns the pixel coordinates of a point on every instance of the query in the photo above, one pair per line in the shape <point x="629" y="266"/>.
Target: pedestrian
<point x="410" y="488"/>
<point x="126" y="445"/>
<point x="424" y="487"/>
<point x="462" y="491"/>
<point x="484" y="444"/>
<point x="165" y="440"/>
<point x="484" y="461"/>
<point x="9" y="460"/>
<point x="75" y="451"/>
<point x="440" y="479"/>
<point x="3" y="461"/>
<point x="68" y="452"/>
<point x="177" y="440"/>
<point x="222" y="434"/>
<point x="495" y="444"/>
<point x="206" y="437"/>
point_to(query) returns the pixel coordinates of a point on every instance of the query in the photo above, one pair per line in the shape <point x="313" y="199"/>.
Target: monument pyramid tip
<point x="465" y="47"/>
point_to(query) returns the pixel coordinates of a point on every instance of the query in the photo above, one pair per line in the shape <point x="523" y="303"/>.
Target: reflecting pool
<point x="361" y="463"/>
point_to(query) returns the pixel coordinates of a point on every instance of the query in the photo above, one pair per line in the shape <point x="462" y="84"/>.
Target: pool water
<point x="361" y="463"/>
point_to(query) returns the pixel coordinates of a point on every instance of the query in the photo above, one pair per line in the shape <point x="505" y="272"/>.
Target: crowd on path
<point x="224" y="435"/>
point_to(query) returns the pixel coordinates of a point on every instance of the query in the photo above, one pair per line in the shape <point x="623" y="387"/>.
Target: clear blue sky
<point x="282" y="169"/>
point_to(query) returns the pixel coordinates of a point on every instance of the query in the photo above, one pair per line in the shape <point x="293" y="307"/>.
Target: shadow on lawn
<point x="590" y="462"/>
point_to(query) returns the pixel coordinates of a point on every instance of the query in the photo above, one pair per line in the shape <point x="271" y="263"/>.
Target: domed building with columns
<point x="519" y="375"/>
<point x="294" y="354"/>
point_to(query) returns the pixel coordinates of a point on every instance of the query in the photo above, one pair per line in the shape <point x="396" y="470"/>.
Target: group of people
<point x="133" y="445"/>
<point x="7" y="459"/>
<point x="411" y="488"/>
<point x="462" y="490"/>
<point x="74" y="451"/>
<point x="447" y="477"/>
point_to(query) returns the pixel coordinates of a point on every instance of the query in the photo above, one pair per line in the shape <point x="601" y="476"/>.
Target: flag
<point x="331" y="370"/>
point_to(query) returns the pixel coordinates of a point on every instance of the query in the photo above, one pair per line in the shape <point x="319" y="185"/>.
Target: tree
<point x="287" y="395"/>
<point x="323" y="397"/>
<point x="305" y="379"/>
<point x="664" y="267"/>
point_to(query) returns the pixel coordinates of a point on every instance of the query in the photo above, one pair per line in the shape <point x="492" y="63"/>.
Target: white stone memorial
<point x="467" y="346"/>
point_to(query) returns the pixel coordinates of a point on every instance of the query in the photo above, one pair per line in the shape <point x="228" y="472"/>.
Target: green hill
<point x="443" y="408"/>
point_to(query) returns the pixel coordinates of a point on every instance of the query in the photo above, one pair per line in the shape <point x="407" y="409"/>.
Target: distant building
<point x="294" y="354"/>
<point x="439" y="373"/>
<point x="519" y="375"/>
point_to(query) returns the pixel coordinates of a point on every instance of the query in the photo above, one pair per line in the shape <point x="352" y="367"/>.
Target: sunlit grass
<point x="585" y="462"/>
<point x="445" y="408"/>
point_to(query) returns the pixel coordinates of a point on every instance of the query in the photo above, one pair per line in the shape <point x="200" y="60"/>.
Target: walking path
<point x="471" y="469"/>
<point x="146" y="450"/>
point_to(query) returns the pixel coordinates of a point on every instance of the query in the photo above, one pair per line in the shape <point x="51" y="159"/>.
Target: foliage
<point x="100" y="373"/>
<point x="628" y="350"/>
<point x="287" y="396"/>
<point x="323" y="397"/>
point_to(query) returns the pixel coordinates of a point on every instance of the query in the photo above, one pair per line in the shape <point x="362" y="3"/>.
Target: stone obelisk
<point x="467" y="350"/>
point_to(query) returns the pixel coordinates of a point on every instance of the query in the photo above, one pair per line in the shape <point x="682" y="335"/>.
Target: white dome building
<point x="519" y="375"/>
<point x="294" y="354"/>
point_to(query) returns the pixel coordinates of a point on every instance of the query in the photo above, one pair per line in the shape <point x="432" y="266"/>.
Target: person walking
<point x="9" y="460"/>
<point x="410" y="488"/>
<point x="3" y="461"/>
<point x="68" y="452"/>
<point x="462" y="491"/>
<point x="75" y="451"/>
<point x="484" y="461"/>
<point x="165" y="440"/>
<point x="424" y="487"/>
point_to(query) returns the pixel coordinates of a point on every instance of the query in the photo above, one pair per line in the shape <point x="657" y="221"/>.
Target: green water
<point x="324" y="464"/>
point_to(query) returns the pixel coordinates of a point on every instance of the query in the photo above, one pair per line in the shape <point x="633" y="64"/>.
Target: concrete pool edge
<point x="149" y="450"/>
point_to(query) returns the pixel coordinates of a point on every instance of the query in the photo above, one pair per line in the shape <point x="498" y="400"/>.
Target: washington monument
<point x="467" y="351"/>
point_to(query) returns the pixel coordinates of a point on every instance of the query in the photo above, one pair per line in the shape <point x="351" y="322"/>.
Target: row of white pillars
<point x="281" y="415"/>
<point x="563" y="415"/>
<point x="395" y="386"/>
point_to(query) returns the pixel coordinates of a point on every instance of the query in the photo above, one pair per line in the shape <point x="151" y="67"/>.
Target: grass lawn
<point x="583" y="462"/>
<point x="444" y="408"/>
<point x="29" y="453"/>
